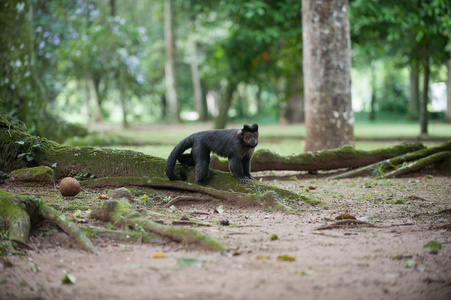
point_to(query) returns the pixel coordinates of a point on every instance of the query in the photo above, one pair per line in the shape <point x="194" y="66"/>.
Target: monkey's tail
<point x="175" y="154"/>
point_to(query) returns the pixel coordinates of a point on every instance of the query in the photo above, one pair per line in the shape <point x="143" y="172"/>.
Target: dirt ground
<point x="340" y="263"/>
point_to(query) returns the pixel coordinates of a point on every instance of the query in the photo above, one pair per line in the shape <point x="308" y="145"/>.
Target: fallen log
<point x="419" y="164"/>
<point x="379" y="167"/>
<point x="344" y="157"/>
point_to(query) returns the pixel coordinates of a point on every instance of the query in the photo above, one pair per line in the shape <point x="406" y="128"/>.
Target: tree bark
<point x="448" y="93"/>
<point x="327" y="74"/>
<point x="171" y="93"/>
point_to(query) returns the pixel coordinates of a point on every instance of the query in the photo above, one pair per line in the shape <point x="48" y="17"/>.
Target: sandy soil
<point x="340" y="263"/>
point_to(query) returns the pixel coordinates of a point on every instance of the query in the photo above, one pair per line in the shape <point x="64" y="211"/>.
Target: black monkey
<point x="235" y="144"/>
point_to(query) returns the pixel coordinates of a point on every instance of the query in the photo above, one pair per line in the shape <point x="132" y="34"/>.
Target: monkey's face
<point x="250" y="139"/>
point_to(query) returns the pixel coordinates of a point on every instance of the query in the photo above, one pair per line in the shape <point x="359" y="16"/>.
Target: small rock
<point x="122" y="193"/>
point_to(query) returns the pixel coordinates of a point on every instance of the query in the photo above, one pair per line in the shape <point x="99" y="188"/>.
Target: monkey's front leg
<point x="246" y="162"/>
<point x="236" y="168"/>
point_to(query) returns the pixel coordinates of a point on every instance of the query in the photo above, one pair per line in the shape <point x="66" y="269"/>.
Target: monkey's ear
<point x="253" y="128"/>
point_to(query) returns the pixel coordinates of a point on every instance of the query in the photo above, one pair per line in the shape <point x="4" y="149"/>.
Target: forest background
<point x="92" y="62"/>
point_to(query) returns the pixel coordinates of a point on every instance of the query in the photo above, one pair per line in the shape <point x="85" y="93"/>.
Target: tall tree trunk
<point x="295" y="112"/>
<point x="199" y="101"/>
<point x="424" y="102"/>
<point x="414" y="103"/>
<point x="124" y="106"/>
<point x="224" y="105"/>
<point x="94" y="96"/>
<point x="171" y="93"/>
<point x="327" y="74"/>
<point x="448" y="93"/>
<point x="372" y="115"/>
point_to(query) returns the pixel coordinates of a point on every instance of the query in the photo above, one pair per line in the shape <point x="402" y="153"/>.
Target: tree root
<point x="179" y="199"/>
<point x="123" y="236"/>
<point x="346" y="223"/>
<point x="20" y="212"/>
<point x="121" y="213"/>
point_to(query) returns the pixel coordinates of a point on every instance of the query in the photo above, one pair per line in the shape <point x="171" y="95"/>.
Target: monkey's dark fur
<point x="235" y="144"/>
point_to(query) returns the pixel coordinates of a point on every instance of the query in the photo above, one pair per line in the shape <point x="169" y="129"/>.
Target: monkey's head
<point x="249" y="135"/>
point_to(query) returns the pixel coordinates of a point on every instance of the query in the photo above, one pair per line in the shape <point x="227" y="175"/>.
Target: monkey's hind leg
<point x="187" y="159"/>
<point x="202" y="169"/>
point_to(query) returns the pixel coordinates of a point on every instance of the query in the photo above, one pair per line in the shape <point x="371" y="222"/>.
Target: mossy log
<point x="121" y="213"/>
<point x="344" y="157"/>
<point x="20" y="212"/>
<point x="381" y="166"/>
<point x="120" y="164"/>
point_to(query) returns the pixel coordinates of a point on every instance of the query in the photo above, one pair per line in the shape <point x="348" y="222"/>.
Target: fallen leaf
<point x="219" y="209"/>
<point x="306" y="273"/>
<point x="69" y="279"/>
<point x="410" y="263"/>
<point x="432" y="245"/>
<point x="286" y="257"/>
<point x="158" y="255"/>
<point x="182" y="262"/>
<point x="134" y="266"/>
<point x="345" y="217"/>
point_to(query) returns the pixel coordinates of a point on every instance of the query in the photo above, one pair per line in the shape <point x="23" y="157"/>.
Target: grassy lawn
<point x="159" y="139"/>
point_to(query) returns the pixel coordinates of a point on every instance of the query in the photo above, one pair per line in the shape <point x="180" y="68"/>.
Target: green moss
<point x="41" y="173"/>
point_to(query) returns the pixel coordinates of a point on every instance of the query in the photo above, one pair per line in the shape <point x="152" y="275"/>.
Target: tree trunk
<point x="372" y="115"/>
<point x="171" y="93"/>
<point x="124" y="106"/>
<point x="424" y="102"/>
<point x="295" y="112"/>
<point x="448" y="93"/>
<point x="414" y="103"/>
<point x="327" y="74"/>
<point x="94" y="96"/>
<point x="224" y="105"/>
<point x="199" y="100"/>
<point x="21" y="92"/>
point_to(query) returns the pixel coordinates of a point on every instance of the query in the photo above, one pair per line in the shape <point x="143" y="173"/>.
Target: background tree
<point x="172" y="113"/>
<point x="22" y="94"/>
<point x="415" y="35"/>
<point x="327" y="74"/>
